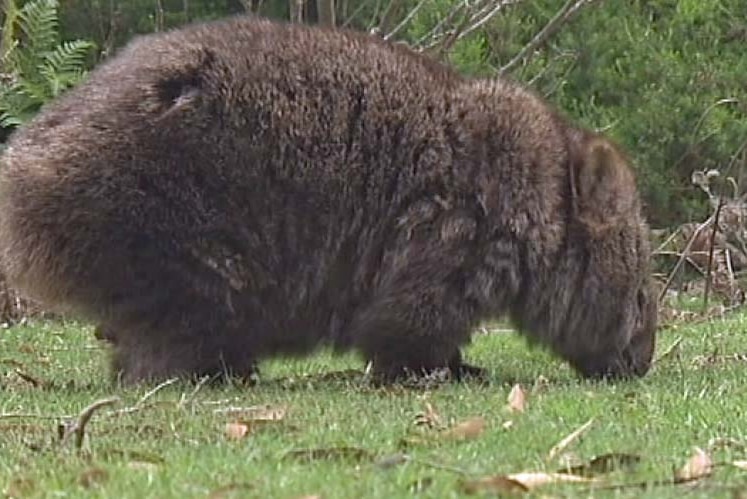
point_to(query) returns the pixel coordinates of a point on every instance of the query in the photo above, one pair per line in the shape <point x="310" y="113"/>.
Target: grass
<point x="175" y="444"/>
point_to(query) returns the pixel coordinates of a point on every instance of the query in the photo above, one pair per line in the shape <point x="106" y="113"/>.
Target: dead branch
<point x="677" y="266"/>
<point x="564" y="16"/>
<point x="707" y="290"/>
<point x="78" y="428"/>
<point x="441" y="38"/>
<point x="404" y="21"/>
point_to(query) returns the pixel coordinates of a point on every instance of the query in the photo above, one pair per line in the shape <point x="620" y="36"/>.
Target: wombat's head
<point x="598" y="309"/>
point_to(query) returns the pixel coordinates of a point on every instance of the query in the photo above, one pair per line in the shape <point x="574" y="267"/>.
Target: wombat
<point x="243" y="188"/>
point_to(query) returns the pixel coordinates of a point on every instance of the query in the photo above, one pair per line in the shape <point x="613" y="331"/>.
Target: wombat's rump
<point x="233" y="190"/>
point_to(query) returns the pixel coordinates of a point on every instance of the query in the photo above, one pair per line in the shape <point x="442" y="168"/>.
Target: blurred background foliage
<point x="664" y="78"/>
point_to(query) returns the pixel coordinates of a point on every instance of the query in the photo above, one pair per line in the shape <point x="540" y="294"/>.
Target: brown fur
<point x="234" y="190"/>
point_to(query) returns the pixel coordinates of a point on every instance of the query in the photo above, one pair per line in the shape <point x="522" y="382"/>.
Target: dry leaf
<point x="469" y="428"/>
<point x="572" y="437"/>
<point x="428" y="418"/>
<point x="19" y="488"/>
<point x="496" y="484"/>
<point x="517" y="399"/>
<point x="742" y="465"/>
<point x="606" y="463"/>
<point x="352" y="453"/>
<point x="507" y="424"/>
<point x="698" y="466"/>
<point x="236" y="431"/>
<point x="228" y="490"/>
<point x="142" y="465"/>
<point x="92" y="477"/>
<point x="532" y="480"/>
<point x="392" y="460"/>
<point x="264" y="412"/>
<point x="520" y="482"/>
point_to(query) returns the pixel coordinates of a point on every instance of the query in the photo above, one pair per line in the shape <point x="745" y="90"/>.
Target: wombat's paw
<point x="135" y="366"/>
<point x="456" y="371"/>
<point x="468" y="372"/>
<point x="104" y="333"/>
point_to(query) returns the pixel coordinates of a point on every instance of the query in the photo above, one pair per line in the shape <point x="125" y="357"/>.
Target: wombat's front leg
<point x="157" y="356"/>
<point x="419" y="316"/>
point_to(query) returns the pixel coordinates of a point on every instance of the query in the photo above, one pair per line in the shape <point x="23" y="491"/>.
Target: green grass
<point x="175" y="445"/>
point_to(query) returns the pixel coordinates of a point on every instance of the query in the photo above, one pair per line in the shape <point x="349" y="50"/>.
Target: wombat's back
<point x="228" y="176"/>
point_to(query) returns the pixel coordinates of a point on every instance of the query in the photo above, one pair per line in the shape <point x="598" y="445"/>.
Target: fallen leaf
<point x="428" y="418"/>
<point x="469" y="428"/>
<point x="393" y="460"/>
<point x="19" y="488"/>
<point x="26" y="348"/>
<point x="92" y="477"/>
<point x="142" y="465"/>
<point x="496" y="484"/>
<point x="229" y="490"/>
<point x="32" y="380"/>
<point x="698" y="466"/>
<point x="236" y="431"/>
<point x="532" y="480"/>
<point x="606" y="463"/>
<point x="507" y="425"/>
<point x="345" y="453"/>
<point x="517" y="399"/>
<point x="742" y="465"/>
<point x="568" y="440"/>
<point x="264" y="412"/>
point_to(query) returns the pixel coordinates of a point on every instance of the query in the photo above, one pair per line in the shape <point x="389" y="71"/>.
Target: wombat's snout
<point x="635" y="358"/>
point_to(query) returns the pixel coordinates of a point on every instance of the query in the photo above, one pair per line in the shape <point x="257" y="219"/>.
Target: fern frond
<point x="37" y="20"/>
<point x="7" y="42"/>
<point x="68" y="57"/>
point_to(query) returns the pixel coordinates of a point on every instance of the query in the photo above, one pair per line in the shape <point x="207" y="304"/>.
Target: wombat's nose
<point x="630" y="363"/>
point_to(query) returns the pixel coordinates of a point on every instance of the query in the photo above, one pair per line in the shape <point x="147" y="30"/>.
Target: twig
<point x="563" y="444"/>
<point x="487" y="17"/>
<point x="707" y="290"/>
<point x="672" y="348"/>
<point x="687" y="258"/>
<point x="141" y="403"/>
<point x="685" y="251"/>
<point x="438" y="28"/>
<point x="406" y="20"/>
<point x="439" y="466"/>
<point x="668" y="240"/>
<point x="22" y="415"/>
<point x="79" y="427"/>
<point x="693" y="142"/>
<point x="564" y="15"/>
<point x="155" y="390"/>
<point x="386" y="17"/>
<point x="196" y="390"/>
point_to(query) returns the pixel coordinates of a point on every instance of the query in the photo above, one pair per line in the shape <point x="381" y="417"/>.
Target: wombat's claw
<point x="465" y="372"/>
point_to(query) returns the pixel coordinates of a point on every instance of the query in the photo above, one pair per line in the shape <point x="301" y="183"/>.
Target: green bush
<point x="36" y="66"/>
<point x="664" y="78"/>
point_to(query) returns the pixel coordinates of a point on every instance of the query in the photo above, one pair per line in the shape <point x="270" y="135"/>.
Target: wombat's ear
<point x="177" y="92"/>
<point x="181" y="86"/>
<point x="605" y="189"/>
